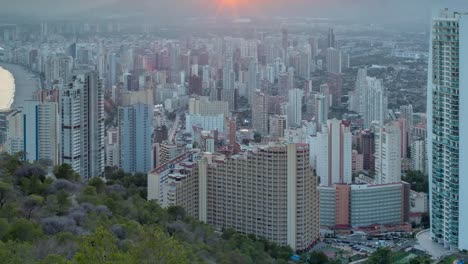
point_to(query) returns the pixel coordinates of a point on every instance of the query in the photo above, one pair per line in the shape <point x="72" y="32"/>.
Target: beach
<point x="7" y="89"/>
<point x="17" y="85"/>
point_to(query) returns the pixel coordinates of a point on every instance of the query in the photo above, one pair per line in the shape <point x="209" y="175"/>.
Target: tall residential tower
<point x="447" y="113"/>
<point x="82" y="125"/>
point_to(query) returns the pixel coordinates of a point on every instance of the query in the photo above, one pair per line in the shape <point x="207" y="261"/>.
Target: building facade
<point x="135" y="137"/>
<point x="363" y="205"/>
<point x="446" y="123"/>
<point x="388" y="154"/>
<point x="41" y="138"/>
<point x="82" y="125"/>
<point x="269" y="192"/>
<point x="334" y="153"/>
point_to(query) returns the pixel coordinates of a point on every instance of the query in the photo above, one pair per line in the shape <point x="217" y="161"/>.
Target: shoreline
<point x="25" y="83"/>
<point x="8" y="80"/>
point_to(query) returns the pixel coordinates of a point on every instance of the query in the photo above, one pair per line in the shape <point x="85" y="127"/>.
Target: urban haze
<point x="233" y="131"/>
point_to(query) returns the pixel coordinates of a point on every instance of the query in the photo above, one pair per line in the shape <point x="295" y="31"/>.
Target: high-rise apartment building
<point x="277" y="125"/>
<point x="419" y="155"/>
<point x="41" y="139"/>
<point x="334" y="153"/>
<point x="295" y="107"/>
<point x="260" y="112"/>
<point x="252" y="80"/>
<point x="331" y="41"/>
<point x="406" y="111"/>
<point x="447" y="123"/>
<point x="14" y="123"/>
<point x="112" y="147"/>
<point x="334" y="60"/>
<point x="369" y="99"/>
<point x="388" y="154"/>
<point x="82" y="125"/>
<point x="375" y="103"/>
<point x="135" y="130"/>
<point x="269" y="192"/>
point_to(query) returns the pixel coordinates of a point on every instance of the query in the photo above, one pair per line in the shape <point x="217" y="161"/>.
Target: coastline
<point x="7" y="82"/>
<point x="25" y="83"/>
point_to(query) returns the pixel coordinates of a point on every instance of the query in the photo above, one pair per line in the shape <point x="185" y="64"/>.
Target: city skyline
<point x="317" y="129"/>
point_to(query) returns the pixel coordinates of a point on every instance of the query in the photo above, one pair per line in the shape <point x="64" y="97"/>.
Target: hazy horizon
<point x="360" y="10"/>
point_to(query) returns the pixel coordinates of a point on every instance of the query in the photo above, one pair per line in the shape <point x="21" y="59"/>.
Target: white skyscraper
<point x="322" y="104"/>
<point x="375" y="102"/>
<point x="334" y="58"/>
<point x="419" y="155"/>
<point x="41" y="131"/>
<point x="295" y="107"/>
<point x="252" y="80"/>
<point x="447" y="126"/>
<point x="334" y="153"/>
<point x="15" y="132"/>
<point x="369" y="99"/>
<point x="388" y="154"/>
<point x="82" y="118"/>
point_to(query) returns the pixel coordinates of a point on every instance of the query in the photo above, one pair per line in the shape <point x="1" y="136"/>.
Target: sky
<point x="372" y="10"/>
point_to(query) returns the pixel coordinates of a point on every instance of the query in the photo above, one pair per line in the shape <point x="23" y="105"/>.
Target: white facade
<point x="208" y="122"/>
<point x="388" y="154"/>
<point x="203" y="106"/>
<point x="295" y="107"/>
<point x="334" y="153"/>
<point x="41" y="139"/>
<point x="419" y="155"/>
<point x="82" y="125"/>
<point x="447" y="123"/>
<point x="334" y="60"/>
<point x="375" y="102"/>
<point x="369" y="99"/>
<point x="15" y="132"/>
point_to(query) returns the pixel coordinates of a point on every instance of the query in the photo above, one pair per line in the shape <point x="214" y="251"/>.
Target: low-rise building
<point x="361" y="205"/>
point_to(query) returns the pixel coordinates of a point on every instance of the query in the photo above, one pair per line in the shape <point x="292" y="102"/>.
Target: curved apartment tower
<point x="270" y="191"/>
<point x="447" y="113"/>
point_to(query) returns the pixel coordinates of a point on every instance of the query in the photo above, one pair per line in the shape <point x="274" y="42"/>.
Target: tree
<point x="31" y="203"/>
<point x="10" y="163"/>
<point x="97" y="183"/>
<point x="5" y="192"/>
<point x="16" y="252"/>
<point x="425" y="220"/>
<point x="99" y="247"/>
<point x="154" y="244"/>
<point x="4" y="226"/>
<point x="55" y="259"/>
<point x="176" y="212"/>
<point x="380" y="256"/>
<point x="421" y="260"/>
<point x="317" y="257"/>
<point x="63" y="202"/>
<point x="65" y="171"/>
<point x="419" y="182"/>
<point x="23" y="230"/>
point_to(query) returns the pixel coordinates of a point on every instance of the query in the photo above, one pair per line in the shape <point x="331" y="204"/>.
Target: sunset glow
<point x="232" y="4"/>
<point x="235" y="7"/>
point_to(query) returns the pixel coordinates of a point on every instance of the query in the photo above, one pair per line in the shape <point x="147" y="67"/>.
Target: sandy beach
<point x="17" y="84"/>
<point x="7" y="89"/>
